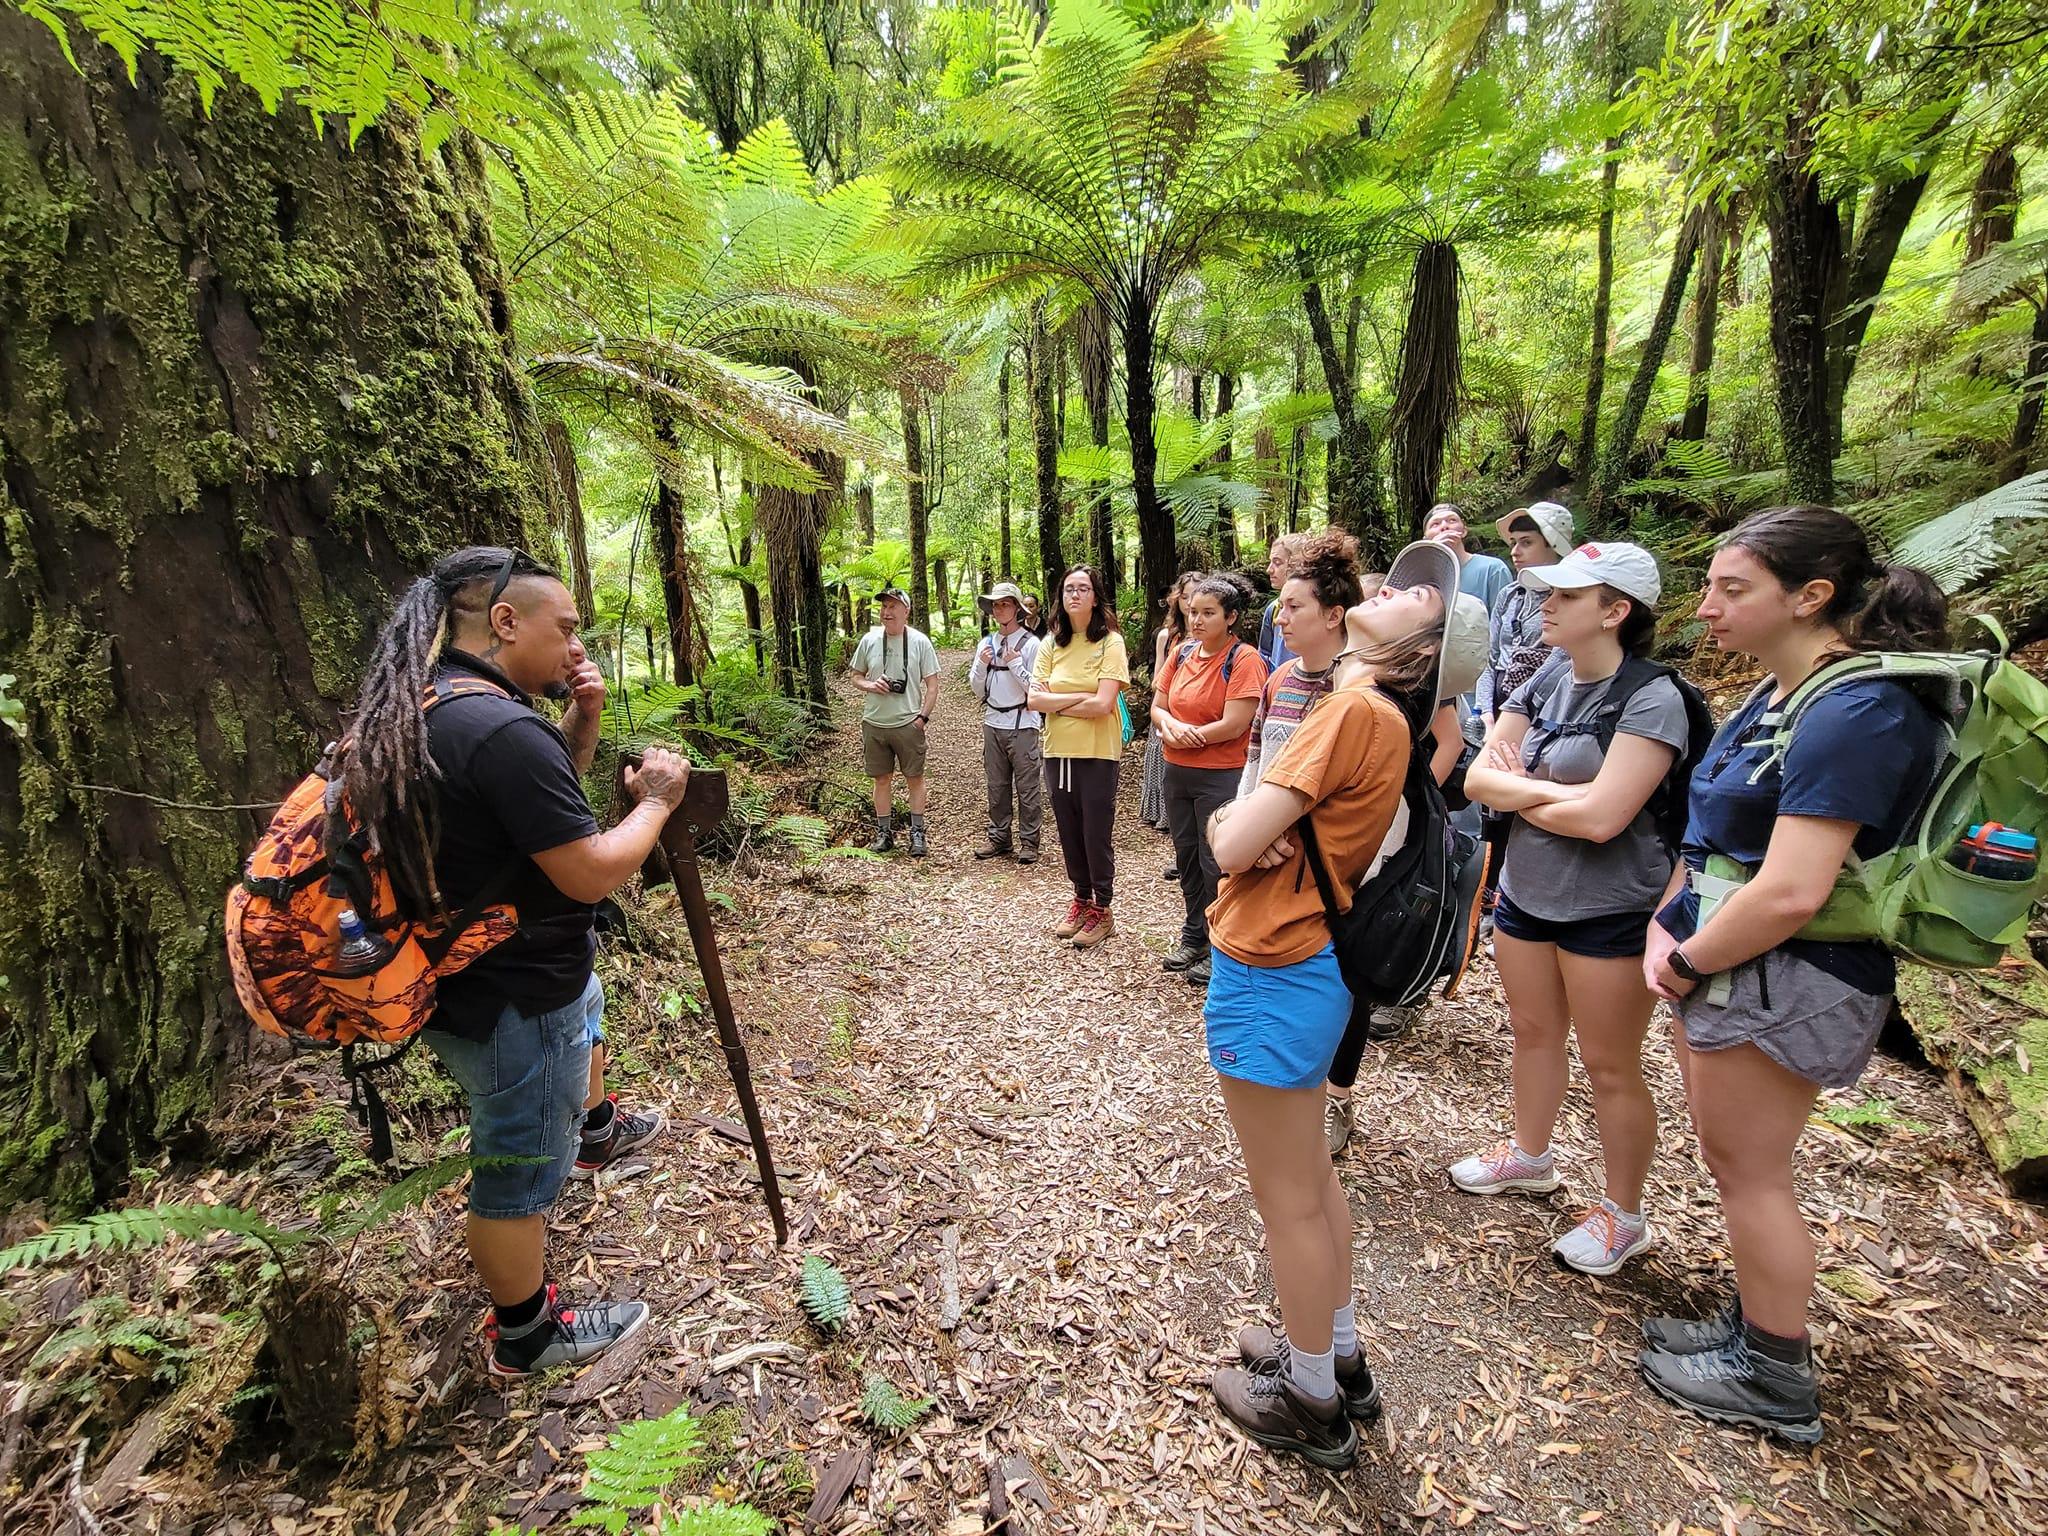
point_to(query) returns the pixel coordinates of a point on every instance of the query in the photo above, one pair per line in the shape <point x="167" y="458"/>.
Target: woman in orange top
<point x="1277" y="1004"/>
<point x="1202" y="706"/>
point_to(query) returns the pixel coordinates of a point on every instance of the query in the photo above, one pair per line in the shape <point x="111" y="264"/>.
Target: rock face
<point x="1989" y="1032"/>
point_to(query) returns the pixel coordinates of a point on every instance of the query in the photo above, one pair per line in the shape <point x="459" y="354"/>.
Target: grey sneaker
<point x="563" y="1336"/>
<point x="1281" y="1417"/>
<point x="631" y="1130"/>
<point x="1263" y="1350"/>
<point x="1183" y="956"/>
<point x="1506" y="1168"/>
<point x="1391" y="1023"/>
<point x="1738" y="1385"/>
<point x="1603" y="1242"/>
<point x="1340" y="1115"/>
<point x="916" y="836"/>
<point x="1695" y="1335"/>
<point x="885" y="835"/>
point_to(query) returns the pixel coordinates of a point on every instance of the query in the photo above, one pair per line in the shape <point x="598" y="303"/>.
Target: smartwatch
<point x="1685" y="967"/>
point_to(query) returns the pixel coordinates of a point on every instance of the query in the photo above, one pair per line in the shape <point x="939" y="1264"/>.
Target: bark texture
<point x="1622" y="440"/>
<point x="1038" y="365"/>
<point x="914" y="508"/>
<point x="250" y="381"/>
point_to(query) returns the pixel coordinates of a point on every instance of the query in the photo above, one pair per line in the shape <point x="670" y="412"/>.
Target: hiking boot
<point x="1027" y="855"/>
<point x="1068" y="926"/>
<point x="1695" y="1335"/>
<point x="631" y="1130"/>
<point x="1339" y="1116"/>
<point x="1390" y="1023"/>
<point x="1739" y="1385"/>
<point x="1197" y="975"/>
<point x="1603" y="1241"/>
<point x="1173" y="871"/>
<point x="1096" y="925"/>
<point x="1184" y="955"/>
<point x="885" y="835"/>
<point x="917" y="849"/>
<point x="1281" y="1417"/>
<point x="993" y="850"/>
<point x="562" y="1336"/>
<point x="1506" y="1168"/>
<point x="1263" y="1350"/>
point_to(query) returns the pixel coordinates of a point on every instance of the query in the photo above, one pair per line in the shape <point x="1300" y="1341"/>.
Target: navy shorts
<point x="1615" y="937"/>
<point x="1276" y="1025"/>
<point x="526" y="1086"/>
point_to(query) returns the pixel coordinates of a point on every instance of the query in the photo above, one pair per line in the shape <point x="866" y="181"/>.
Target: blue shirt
<point x="1865" y="751"/>
<point x="1484" y="577"/>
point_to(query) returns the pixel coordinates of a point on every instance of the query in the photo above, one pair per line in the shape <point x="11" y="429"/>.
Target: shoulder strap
<point x="437" y="693"/>
<point x="1230" y="660"/>
<point x="1312" y="852"/>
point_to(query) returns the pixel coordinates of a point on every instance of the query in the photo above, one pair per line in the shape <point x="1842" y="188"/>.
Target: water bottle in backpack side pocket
<point x="360" y="951"/>
<point x="1992" y="851"/>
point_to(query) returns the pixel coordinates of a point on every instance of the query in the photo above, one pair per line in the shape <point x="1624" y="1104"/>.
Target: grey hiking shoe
<point x="1263" y="1350"/>
<point x="563" y="1336"/>
<point x="1184" y="955"/>
<point x="917" y="849"/>
<point x="1340" y="1115"/>
<point x="1695" y="1335"/>
<point x="1738" y="1385"/>
<point x="631" y="1130"/>
<point x="885" y="835"/>
<point x="1391" y="1023"/>
<point x="1281" y="1417"/>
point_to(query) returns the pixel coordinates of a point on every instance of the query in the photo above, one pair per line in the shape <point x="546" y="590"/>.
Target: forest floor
<point x="940" y="1076"/>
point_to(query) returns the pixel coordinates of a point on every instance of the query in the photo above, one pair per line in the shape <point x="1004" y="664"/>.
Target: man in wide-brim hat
<point x="1010" y="759"/>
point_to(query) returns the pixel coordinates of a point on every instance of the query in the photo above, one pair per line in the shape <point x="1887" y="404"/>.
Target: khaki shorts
<point x="886" y="748"/>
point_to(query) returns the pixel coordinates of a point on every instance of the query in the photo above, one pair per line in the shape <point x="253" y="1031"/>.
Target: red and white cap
<point x="1628" y="568"/>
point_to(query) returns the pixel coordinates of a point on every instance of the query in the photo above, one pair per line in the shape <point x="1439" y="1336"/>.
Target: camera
<point x="898" y="684"/>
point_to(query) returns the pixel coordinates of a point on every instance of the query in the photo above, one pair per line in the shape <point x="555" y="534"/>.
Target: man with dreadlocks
<point x="478" y="801"/>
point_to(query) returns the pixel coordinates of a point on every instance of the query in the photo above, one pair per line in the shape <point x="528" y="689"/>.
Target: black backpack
<point x="1416" y="922"/>
<point x="1670" y="803"/>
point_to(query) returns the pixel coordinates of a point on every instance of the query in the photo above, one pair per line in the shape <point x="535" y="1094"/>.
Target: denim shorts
<point x="526" y="1087"/>
<point x="1276" y="1025"/>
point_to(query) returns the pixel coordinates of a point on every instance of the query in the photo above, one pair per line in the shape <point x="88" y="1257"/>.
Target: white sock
<point x="1534" y="1157"/>
<point x="1315" y="1375"/>
<point x="1344" y="1330"/>
<point x="1626" y="1218"/>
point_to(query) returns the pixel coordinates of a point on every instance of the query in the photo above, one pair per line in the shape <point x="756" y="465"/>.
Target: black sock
<point x="597" y="1123"/>
<point x="522" y="1313"/>
<point x="1774" y="1345"/>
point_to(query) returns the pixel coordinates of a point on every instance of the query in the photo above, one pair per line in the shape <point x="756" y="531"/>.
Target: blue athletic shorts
<point x="526" y="1086"/>
<point x="1276" y="1025"/>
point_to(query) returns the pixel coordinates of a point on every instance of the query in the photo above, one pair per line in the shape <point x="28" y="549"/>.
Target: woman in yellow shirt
<point x="1079" y="674"/>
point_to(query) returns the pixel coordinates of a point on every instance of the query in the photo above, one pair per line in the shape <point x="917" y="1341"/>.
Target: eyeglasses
<point x="1082" y="588"/>
<point x="507" y="569"/>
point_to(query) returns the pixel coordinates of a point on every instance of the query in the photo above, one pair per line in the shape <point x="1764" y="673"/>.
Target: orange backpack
<point x="284" y="931"/>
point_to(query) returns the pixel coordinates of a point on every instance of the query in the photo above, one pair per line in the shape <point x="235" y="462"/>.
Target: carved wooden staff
<point x="675" y="857"/>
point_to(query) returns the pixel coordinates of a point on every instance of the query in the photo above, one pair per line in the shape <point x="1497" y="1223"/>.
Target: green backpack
<point x="1994" y="769"/>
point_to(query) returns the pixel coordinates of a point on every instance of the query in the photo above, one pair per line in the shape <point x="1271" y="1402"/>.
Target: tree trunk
<point x="1603" y="302"/>
<point x="1297" y="447"/>
<point x="750" y="600"/>
<point x="2027" y="425"/>
<point x="1093" y="336"/>
<point x="1003" y="437"/>
<point x="568" y="489"/>
<point x="914" y="507"/>
<point x="864" y="509"/>
<point x="1879" y="229"/>
<point x="1155" y="518"/>
<point x="1994" y="204"/>
<point x="1226" y="522"/>
<point x="1354" y="481"/>
<point x="251" y="382"/>
<point x="1706" y="314"/>
<point x="1621" y="442"/>
<point x="672" y="554"/>
<point x="1805" y="236"/>
<point x="945" y="594"/>
<point x="1038" y="371"/>
<point x="1429" y="383"/>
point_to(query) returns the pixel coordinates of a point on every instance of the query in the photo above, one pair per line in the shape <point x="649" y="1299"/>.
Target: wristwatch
<point x="924" y="719"/>
<point x="1685" y="967"/>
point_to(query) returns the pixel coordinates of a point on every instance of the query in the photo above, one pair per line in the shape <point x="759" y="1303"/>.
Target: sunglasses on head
<point x="513" y="564"/>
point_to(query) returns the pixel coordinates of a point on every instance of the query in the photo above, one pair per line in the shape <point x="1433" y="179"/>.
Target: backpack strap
<point x="1312" y="854"/>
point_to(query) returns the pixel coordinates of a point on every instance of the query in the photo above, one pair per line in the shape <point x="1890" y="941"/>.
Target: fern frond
<point x="1961" y="545"/>
<point x="415" y="1189"/>
<point x="887" y="1409"/>
<point x="824" y="1292"/>
<point x="640" y="1463"/>
<point x="810" y="836"/>
<point x="716" y="1520"/>
<point x="141" y="1227"/>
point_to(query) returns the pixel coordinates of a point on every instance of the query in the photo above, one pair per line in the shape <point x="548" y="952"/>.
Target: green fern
<point x="415" y="1189"/>
<point x="1959" y="546"/>
<point x="638" y="1465"/>
<point x="825" y="1294"/>
<point x="716" y="1520"/>
<point x="887" y="1409"/>
<point x="142" y="1227"/>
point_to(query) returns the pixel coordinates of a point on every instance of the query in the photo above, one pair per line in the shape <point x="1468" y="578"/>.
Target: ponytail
<point x="1904" y="611"/>
<point x="1875" y="607"/>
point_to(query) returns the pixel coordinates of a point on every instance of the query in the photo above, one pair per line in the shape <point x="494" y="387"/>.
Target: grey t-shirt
<point x="1564" y="879"/>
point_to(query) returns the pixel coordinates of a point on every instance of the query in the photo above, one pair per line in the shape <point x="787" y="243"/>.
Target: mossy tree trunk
<point x="250" y="380"/>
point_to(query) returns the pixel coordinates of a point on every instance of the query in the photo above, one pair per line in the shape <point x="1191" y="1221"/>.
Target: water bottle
<point x="361" y="951"/>
<point x="1992" y="851"/>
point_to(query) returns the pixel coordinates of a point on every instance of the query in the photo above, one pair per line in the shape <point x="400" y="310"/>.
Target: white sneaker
<point x="1339" y="1116"/>
<point x="1506" y="1168"/>
<point x="1604" y="1241"/>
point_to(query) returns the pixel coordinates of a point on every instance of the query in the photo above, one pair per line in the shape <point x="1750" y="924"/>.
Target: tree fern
<point x="1959" y="546"/>
<point x="824" y="1292"/>
<point x="886" y="1408"/>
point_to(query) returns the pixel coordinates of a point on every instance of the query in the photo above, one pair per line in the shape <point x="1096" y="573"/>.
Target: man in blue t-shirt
<point x="1480" y="576"/>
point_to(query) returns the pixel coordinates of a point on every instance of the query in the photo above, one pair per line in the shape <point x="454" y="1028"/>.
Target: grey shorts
<point x="886" y="748"/>
<point x="1807" y="1021"/>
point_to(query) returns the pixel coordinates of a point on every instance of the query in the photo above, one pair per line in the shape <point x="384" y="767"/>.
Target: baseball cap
<point x="1462" y="657"/>
<point x="1628" y="568"/>
<point x="1552" y="519"/>
<point x="893" y="595"/>
<point x="999" y="591"/>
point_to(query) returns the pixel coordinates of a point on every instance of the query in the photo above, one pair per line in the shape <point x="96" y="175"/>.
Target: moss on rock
<point x="1990" y="1034"/>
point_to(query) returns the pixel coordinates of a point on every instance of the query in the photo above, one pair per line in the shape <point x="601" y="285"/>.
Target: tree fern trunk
<point x="1429" y="384"/>
<point x="1003" y="438"/>
<point x="1038" y="366"/>
<point x="1093" y="335"/>
<point x="568" y="486"/>
<point x="1621" y="442"/>
<point x="1706" y="314"/>
<point x="1354" y="479"/>
<point x="1226" y="525"/>
<point x="1603" y="302"/>
<point x="2027" y="424"/>
<point x="250" y="383"/>
<point x="864" y="509"/>
<point x="1155" y="518"/>
<point x="1879" y="229"/>
<point x="914" y="507"/>
<point x="1805" y="235"/>
<point x="672" y="553"/>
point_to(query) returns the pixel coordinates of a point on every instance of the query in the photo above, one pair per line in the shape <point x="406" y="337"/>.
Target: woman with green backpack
<point x="1769" y="1017"/>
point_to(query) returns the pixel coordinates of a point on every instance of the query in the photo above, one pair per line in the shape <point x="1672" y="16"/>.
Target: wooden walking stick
<point x="675" y="857"/>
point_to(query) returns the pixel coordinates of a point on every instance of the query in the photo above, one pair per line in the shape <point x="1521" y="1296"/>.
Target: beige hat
<point x="1628" y="568"/>
<point x="1552" y="520"/>
<point x="1427" y="563"/>
<point x="998" y="592"/>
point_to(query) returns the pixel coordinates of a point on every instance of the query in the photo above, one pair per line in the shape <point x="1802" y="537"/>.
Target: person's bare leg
<point x="507" y="1255"/>
<point x="1610" y="1009"/>
<point x="1280" y="1131"/>
<point x="915" y="789"/>
<point x="1541" y="1019"/>
<point x="884" y="803"/>
<point x="1750" y="1112"/>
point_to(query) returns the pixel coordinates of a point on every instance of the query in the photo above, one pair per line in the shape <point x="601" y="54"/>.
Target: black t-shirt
<point x="508" y="790"/>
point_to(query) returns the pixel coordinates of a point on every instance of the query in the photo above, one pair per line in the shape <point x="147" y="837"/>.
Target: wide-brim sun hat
<point x="1552" y="519"/>
<point x="1462" y="656"/>
<point x="1628" y="568"/>
<point x="998" y="592"/>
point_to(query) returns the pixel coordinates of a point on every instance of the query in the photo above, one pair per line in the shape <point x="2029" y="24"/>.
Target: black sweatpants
<point x="1192" y="796"/>
<point x="1083" y="795"/>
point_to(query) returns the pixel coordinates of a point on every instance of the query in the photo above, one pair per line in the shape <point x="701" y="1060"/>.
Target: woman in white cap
<point x="1277" y="1005"/>
<point x="1578" y="757"/>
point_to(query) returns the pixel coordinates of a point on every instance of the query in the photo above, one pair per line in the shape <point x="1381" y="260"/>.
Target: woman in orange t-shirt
<point x="1277" y="1005"/>
<point x="1202" y="706"/>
